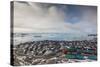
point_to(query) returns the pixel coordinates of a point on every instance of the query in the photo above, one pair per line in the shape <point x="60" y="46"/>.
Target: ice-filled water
<point x="28" y="37"/>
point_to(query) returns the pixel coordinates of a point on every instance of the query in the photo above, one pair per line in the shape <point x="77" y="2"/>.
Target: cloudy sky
<point x="32" y="17"/>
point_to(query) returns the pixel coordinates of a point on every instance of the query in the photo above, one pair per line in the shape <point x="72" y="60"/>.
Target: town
<point x="51" y="52"/>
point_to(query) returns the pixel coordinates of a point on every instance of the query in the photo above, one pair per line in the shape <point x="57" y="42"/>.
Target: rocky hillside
<point x="46" y="52"/>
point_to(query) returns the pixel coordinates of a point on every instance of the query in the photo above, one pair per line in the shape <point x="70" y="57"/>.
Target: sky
<point x="31" y="17"/>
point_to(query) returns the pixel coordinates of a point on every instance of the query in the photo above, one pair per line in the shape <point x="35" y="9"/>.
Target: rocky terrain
<point x="47" y="51"/>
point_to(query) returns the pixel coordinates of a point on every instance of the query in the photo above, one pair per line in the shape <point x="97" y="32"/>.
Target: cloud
<point x="39" y="18"/>
<point x="34" y="18"/>
<point x="88" y="23"/>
